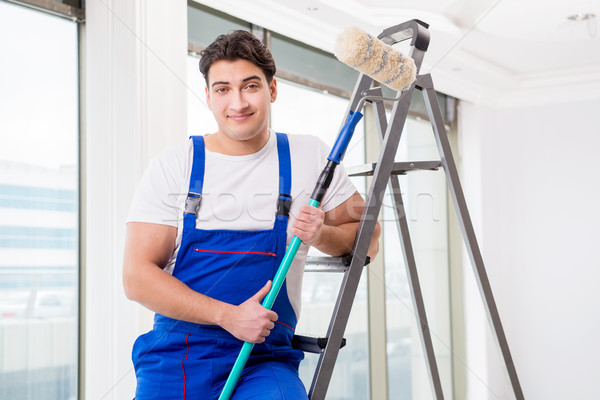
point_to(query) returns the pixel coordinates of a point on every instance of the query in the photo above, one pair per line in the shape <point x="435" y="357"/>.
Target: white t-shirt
<point x="239" y="192"/>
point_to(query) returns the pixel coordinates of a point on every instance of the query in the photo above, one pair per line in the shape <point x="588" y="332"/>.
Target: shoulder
<point x="158" y="196"/>
<point x="170" y="167"/>
<point x="177" y="153"/>
<point x="303" y="140"/>
<point x="307" y="146"/>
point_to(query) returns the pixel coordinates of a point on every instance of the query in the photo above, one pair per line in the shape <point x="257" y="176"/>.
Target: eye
<point x="221" y="90"/>
<point x="252" y="86"/>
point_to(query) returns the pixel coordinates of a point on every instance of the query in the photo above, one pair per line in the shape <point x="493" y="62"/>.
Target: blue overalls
<point x="183" y="360"/>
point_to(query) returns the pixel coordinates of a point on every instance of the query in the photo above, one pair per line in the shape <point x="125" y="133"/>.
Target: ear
<point x="273" y="90"/>
<point x="207" y="97"/>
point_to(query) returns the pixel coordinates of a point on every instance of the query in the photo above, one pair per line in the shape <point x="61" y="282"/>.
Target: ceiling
<point x="499" y="52"/>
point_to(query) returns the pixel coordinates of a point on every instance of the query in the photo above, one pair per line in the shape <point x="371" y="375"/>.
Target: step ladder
<point x="385" y="172"/>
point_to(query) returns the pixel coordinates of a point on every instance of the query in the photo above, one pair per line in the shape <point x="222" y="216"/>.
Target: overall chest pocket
<point x="230" y="266"/>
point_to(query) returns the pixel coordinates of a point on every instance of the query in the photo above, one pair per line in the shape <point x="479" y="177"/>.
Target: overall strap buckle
<point x="284" y="203"/>
<point x="192" y="203"/>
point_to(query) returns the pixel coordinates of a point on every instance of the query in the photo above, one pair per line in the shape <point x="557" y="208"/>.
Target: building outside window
<point x="39" y="206"/>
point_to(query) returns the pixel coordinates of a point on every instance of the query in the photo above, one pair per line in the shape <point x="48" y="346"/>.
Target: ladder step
<point x="312" y="344"/>
<point x="399" y="168"/>
<point x="330" y="264"/>
<point x="326" y="264"/>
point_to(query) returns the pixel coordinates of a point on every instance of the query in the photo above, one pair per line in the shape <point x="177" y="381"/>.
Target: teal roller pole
<point x="268" y="302"/>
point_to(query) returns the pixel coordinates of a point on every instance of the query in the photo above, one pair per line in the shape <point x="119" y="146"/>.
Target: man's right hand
<point x="250" y="321"/>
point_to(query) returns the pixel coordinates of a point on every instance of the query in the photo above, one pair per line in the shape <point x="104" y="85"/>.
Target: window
<point x="320" y="289"/>
<point x="424" y="196"/>
<point x="205" y="24"/>
<point x="312" y="67"/>
<point x="39" y="217"/>
<point x="312" y="99"/>
<point x="200" y="119"/>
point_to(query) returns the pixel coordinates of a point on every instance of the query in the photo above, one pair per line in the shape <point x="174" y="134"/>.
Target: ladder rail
<point x="425" y="83"/>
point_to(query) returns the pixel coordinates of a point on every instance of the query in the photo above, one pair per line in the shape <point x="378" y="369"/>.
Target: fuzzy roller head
<point x="372" y="57"/>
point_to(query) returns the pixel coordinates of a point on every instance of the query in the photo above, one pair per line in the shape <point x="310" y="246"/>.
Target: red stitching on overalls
<point x="182" y="360"/>
<point x="264" y="253"/>
<point x="279" y="322"/>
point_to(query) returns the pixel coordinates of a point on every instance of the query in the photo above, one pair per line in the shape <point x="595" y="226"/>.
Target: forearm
<point x="159" y="291"/>
<point x="338" y="240"/>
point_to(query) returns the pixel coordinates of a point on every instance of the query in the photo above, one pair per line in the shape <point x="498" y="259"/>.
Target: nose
<point x="238" y="101"/>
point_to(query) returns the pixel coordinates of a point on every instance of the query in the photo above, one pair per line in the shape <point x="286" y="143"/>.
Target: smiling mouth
<point x="240" y="117"/>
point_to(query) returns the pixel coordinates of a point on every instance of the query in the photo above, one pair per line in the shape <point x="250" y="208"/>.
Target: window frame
<point x="76" y="15"/>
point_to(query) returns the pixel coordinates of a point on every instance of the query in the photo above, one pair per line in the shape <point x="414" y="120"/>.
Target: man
<point x="203" y="261"/>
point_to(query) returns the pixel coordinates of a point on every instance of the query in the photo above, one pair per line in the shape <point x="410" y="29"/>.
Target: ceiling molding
<point x="575" y="76"/>
<point x="533" y="90"/>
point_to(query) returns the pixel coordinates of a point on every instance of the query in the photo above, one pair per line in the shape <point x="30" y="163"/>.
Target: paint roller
<point x="372" y="57"/>
<point x="381" y="62"/>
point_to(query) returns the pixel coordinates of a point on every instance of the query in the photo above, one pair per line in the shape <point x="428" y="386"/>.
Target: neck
<point x="219" y="142"/>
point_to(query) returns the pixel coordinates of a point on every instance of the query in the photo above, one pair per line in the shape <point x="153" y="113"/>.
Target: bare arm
<point x="148" y="248"/>
<point x="334" y="232"/>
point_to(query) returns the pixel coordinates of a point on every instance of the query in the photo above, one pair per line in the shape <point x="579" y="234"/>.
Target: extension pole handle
<point x="267" y="303"/>
<point x="236" y="371"/>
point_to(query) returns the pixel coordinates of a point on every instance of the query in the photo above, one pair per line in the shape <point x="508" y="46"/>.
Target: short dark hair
<point x="238" y="45"/>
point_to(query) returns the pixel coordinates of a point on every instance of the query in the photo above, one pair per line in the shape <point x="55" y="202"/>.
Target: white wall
<point x="135" y="104"/>
<point x="531" y="182"/>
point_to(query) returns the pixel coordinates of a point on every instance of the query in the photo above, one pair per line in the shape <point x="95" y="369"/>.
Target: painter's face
<point x="239" y="96"/>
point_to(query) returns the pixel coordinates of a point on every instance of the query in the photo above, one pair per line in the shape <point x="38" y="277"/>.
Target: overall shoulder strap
<point x="194" y="197"/>
<point x="285" y="179"/>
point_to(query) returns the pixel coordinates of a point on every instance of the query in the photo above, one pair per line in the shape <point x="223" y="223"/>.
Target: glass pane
<point x="205" y="24"/>
<point x="350" y="378"/>
<point x="424" y="195"/>
<point x="417" y="104"/>
<point x="311" y="63"/>
<point x="39" y="226"/>
<point x="200" y="118"/>
<point x="302" y="110"/>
